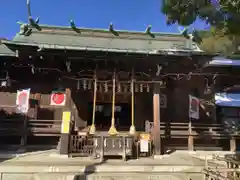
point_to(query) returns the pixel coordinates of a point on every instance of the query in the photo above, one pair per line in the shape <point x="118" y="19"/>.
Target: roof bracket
<point x="148" y="31"/>
<point x="74" y="27"/>
<point x="112" y="30"/>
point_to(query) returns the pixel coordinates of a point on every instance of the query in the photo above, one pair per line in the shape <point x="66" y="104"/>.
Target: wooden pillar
<point x="190" y="137"/>
<point x="233" y="144"/>
<point x="170" y="112"/>
<point x="66" y="125"/>
<point x="156" y="118"/>
<point x="24" y="134"/>
<point x="37" y="104"/>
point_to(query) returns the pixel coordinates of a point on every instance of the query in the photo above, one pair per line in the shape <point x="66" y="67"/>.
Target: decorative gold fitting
<point x="92" y="129"/>
<point x="112" y="131"/>
<point x="132" y="130"/>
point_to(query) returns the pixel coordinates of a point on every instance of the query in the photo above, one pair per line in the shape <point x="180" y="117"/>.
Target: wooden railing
<point x="180" y="130"/>
<point x="37" y="127"/>
<point x="25" y="133"/>
<point x="190" y="132"/>
<point x="31" y="127"/>
<point x="197" y="130"/>
<point x="193" y="131"/>
<point x="222" y="168"/>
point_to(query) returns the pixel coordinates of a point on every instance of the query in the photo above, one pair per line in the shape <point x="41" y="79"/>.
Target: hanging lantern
<point x="100" y="88"/>
<point x="141" y="87"/>
<point x="136" y="87"/>
<point x="8" y="80"/>
<point x="131" y="87"/>
<point x="84" y="84"/>
<point x="105" y="87"/>
<point x="89" y="85"/>
<point x="68" y="65"/>
<point x="119" y="88"/>
<point x="78" y="85"/>
<point x="208" y="88"/>
<point x="148" y="88"/>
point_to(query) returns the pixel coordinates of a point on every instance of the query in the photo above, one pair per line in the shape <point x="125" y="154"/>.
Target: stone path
<point x="48" y="165"/>
<point x="51" y="157"/>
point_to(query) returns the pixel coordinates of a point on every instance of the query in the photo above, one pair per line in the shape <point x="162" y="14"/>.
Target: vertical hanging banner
<point x="193" y="107"/>
<point x="22" y="101"/>
<point x="58" y="99"/>
<point x="66" y="119"/>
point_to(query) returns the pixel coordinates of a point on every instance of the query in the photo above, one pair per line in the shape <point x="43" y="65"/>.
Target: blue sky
<point x="124" y="14"/>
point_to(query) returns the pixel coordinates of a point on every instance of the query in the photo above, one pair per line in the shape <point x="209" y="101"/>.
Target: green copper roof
<point x="68" y="38"/>
<point x="54" y="37"/>
<point x="5" y="51"/>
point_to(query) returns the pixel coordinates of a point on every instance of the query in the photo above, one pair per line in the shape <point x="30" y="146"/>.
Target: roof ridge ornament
<point x="74" y="27"/>
<point x="148" y="31"/>
<point x="194" y="36"/>
<point x="31" y="21"/>
<point x="112" y="30"/>
<point x="26" y="29"/>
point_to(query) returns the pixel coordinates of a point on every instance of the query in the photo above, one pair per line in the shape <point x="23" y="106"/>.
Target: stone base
<point x="59" y="156"/>
<point x="75" y="168"/>
<point x="103" y="176"/>
<point x="161" y="156"/>
<point x="21" y="150"/>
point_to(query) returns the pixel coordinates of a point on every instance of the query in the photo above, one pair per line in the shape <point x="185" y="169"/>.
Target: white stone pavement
<point x="51" y="161"/>
<point x="35" y="165"/>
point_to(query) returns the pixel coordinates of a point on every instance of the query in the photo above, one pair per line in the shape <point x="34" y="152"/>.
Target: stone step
<point x="67" y="168"/>
<point x="104" y="176"/>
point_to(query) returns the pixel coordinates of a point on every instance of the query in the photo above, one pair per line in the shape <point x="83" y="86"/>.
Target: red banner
<point x="58" y="99"/>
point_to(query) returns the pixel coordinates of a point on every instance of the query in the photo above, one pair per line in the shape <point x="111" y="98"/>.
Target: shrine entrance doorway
<point x="103" y="116"/>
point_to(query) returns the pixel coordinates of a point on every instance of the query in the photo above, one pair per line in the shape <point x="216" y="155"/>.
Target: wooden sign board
<point x="144" y="145"/>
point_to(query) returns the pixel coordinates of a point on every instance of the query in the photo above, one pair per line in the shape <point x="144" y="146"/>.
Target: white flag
<point x="22" y="101"/>
<point x="193" y="107"/>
